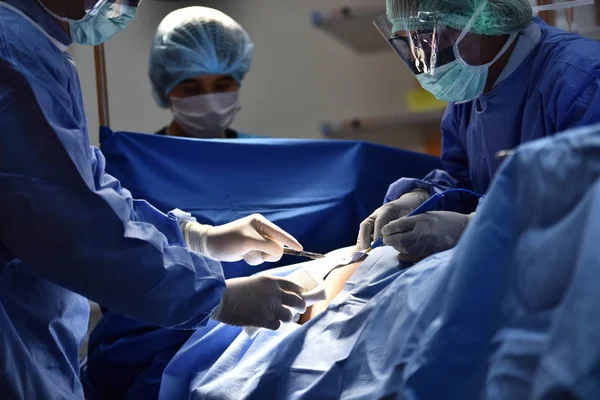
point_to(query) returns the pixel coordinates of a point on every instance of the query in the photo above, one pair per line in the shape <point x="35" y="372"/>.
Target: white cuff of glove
<point x="193" y="232"/>
<point x="422" y="194"/>
<point x="195" y="235"/>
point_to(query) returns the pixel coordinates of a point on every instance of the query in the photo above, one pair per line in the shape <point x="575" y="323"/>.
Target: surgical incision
<point x="334" y="283"/>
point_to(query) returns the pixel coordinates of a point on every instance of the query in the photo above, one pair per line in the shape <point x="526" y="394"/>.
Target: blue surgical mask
<point x="457" y="81"/>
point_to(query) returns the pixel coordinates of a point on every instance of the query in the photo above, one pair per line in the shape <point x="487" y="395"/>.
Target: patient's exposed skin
<point x="334" y="283"/>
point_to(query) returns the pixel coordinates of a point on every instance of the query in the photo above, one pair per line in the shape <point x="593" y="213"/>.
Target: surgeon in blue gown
<point x="198" y="61"/>
<point x="509" y="78"/>
<point x="69" y="230"/>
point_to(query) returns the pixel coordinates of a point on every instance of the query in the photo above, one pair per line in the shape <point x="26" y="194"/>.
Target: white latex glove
<point x="370" y="228"/>
<point x="259" y="301"/>
<point x="254" y="239"/>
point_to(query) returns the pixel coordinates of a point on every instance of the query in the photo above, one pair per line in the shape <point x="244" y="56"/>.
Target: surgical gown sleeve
<point x="570" y="105"/>
<point x="73" y="225"/>
<point x="454" y="175"/>
<point x="142" y="211"/>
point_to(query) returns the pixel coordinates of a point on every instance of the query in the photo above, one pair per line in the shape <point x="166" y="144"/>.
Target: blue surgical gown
<point x="69" y="229"/>
<point x="555" y="88"/>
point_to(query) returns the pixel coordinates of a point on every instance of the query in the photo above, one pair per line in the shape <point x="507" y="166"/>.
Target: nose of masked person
<point x="205" y="116"/>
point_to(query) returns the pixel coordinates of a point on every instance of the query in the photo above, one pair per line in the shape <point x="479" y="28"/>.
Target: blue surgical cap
<point x="196" y="41"/>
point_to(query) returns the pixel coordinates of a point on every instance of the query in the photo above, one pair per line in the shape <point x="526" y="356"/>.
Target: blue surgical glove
<point x="260" y="301"/>
<point x="370" y="228"/>
<point x="425" y="234"/>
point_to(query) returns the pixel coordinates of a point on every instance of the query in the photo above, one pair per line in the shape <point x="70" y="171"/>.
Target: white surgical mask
<point x="205" y="116"/>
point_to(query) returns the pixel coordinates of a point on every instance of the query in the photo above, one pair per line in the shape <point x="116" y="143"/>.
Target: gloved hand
<point x="424" y="234"/>
<point x="254" y="239"/>
<point x="259" y="301"/>
<point x="370" y="228"/>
